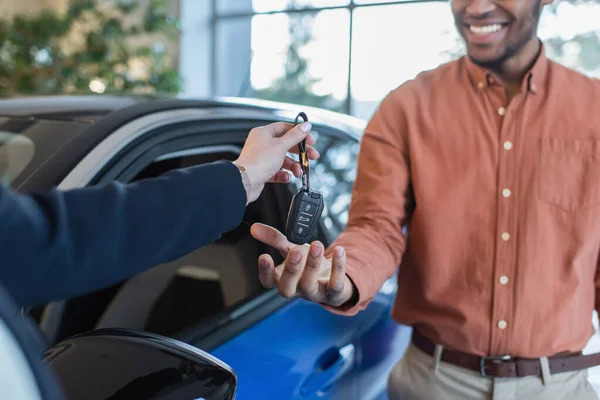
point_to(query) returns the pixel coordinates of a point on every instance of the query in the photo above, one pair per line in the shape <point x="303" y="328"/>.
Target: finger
<point x="271" y="237"/>
<point x="297" y="170"/>
<point x="309" y="285"/>
<point x="296" y="134"/>
<point x="288" y="162"/>
<point x="267" y="271"/>
<point x="292" y="165"/>
<point x="294" y="149"/>
<point x="277" y="129"/>
<point x="313" y="154"/>
<point x="280" y="177"/>
<point x="292" y="271"/>
<point x="335" y="286"/>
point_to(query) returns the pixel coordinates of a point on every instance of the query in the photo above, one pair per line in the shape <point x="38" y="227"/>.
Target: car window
<point x="333" y="175"/>
<point x="176" y="296"/>
<point x="16" y="152"/>
<point x="27" y="143"/>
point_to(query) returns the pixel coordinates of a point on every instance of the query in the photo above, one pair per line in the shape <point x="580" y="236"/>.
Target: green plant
<point x="95" y="46"/>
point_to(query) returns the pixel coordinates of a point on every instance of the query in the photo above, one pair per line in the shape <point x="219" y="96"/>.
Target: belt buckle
<point x="493" y="360"/>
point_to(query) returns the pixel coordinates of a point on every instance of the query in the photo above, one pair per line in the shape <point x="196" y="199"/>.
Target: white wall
<point x="195" y="47"/>
<point x="232" y="50"/>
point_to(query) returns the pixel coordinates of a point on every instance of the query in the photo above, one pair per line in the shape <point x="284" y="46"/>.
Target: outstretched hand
<point x="305" y="271"/>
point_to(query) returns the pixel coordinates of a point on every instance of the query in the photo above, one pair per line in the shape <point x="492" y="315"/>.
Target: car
<point x="210" y="299"/>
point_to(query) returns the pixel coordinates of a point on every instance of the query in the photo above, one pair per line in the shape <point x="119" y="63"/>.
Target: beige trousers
<point x="420" y="376"/>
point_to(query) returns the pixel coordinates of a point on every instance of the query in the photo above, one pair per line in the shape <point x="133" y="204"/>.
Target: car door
<point x="298" y="350"/>
<point x="303" y="351"/>
<point x="322" y="348"/>
<point x="130" y="153"/>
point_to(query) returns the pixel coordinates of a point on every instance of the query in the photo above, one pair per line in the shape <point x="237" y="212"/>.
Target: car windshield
<point x="26" y="143"/>
<point x="16" y="152"/>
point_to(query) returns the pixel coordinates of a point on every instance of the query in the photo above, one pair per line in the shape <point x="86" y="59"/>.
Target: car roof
<point x="65" y="107"/>
<point x="79" y="108"/>
<point x="92" y="108"/>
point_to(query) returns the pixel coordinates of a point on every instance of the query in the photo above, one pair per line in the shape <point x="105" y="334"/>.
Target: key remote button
<point x="304" y="219"/>
<point x="309" y="208"/>
<point x="301" y="230"/>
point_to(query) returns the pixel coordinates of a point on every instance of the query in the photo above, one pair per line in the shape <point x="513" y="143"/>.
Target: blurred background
<point x="342" y="55"/>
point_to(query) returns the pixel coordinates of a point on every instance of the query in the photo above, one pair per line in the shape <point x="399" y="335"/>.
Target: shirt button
<point x="501" y="111"/>
<point x="503" y="280"/>
<point x="505" y="236"/>
<point x="502" y="324"/>
<point x="533" y="88"/>
<point x="506" y="192"/>
<point x="507" y="145"/>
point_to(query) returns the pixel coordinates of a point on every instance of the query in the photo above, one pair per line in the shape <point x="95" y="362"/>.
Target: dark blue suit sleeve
<point x="57" y="244"/>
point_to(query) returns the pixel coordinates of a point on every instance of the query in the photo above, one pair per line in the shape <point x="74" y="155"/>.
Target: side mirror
<point x="114" y="364"/>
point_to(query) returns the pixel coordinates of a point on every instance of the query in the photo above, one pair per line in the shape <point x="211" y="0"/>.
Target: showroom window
<point x="346" y="55"/>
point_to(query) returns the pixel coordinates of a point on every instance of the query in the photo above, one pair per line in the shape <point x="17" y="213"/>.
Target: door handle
<point x="329" y="368"/>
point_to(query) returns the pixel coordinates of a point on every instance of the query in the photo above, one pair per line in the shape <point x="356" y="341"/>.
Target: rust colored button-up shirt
<point x="502" y="207"/>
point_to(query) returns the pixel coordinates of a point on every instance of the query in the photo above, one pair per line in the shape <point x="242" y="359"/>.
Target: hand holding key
<point x="305" y="272"/>
<point x="264" y="155"/>
<point x="307" y="205"/>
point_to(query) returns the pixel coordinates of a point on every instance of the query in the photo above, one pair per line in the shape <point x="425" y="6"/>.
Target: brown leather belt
<point x="506" y="366"/>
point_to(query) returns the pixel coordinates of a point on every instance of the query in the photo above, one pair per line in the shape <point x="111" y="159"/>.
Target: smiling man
<point x="492" y="163"/>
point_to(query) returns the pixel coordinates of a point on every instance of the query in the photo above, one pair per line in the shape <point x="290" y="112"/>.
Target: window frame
<point x="140" y="139"/>
<point x="199" y="137"/>
<point x="131" y="147"/>
<point x="217" y="17"/>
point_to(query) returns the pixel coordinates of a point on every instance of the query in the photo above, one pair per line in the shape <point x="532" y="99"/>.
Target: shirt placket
<point x="506" y="227"/>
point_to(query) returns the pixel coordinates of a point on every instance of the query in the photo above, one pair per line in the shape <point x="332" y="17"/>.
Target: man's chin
<point x="489" y="62"/>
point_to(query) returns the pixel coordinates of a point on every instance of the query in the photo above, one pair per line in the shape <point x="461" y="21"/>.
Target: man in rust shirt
<point x="492" y="162"/>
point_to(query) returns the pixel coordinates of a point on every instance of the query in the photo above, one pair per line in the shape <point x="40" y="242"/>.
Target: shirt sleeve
<point x="61" y="244"/>
<point x="373" y="238"/>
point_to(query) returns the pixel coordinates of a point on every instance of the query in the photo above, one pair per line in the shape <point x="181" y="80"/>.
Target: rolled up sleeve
<point x="373" y="238"/>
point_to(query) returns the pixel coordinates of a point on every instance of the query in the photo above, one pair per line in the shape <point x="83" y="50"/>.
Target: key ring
<point x="303" y="155"/>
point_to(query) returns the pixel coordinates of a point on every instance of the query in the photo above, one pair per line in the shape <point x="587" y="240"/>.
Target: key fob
<point x="304" y="215"/>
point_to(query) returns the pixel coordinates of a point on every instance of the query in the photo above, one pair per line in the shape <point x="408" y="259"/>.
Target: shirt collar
<point x="482" y="78"/>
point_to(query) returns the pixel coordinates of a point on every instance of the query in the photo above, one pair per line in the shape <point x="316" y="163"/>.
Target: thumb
<point x="296" y="134"/>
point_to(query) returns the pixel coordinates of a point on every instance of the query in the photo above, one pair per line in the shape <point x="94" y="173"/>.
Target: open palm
<point x="305" y="271"/>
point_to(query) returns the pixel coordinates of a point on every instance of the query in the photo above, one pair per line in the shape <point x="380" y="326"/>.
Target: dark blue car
<point x="211" y="298"/>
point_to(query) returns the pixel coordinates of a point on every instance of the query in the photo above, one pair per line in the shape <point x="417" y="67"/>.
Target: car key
<point x="307" y="205"/>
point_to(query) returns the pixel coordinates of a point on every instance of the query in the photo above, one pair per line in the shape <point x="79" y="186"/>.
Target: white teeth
<point x="485" y="29"/>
